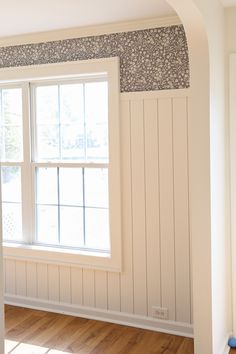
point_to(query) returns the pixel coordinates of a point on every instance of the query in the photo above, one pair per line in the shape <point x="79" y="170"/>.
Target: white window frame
<point x="78" y="69"/>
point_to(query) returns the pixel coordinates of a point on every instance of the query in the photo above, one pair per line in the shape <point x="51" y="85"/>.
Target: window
<point x="60" y="174"/>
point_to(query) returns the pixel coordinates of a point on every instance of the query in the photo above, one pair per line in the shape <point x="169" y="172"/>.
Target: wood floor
<point x="38" y="332"/>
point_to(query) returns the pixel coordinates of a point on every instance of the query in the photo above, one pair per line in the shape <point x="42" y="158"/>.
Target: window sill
<point x="43" y="254"/>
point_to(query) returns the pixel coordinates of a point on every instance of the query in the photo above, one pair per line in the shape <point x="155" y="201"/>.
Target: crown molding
<point x="78" y="32"/>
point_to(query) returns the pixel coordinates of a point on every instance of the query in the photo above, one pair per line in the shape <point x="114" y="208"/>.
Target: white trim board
<point x="169" y="327"/>
<point x="227" y="349"/>
<point x="232" y="132"/>
<point x="141" y="95"/>
<point x="79" y="32"/>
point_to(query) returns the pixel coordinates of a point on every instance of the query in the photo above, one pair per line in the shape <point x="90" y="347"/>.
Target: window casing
<point x="66" y="175"/>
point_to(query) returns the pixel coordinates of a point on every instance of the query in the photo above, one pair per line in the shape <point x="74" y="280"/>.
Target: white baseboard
<point x="170" y="327"/>
<point x="226" y="347"/>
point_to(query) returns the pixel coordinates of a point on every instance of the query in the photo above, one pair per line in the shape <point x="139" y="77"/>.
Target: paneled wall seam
<point x="189" y="225"/>
<point x="159" y="204"/>
<point x="145" y="205"/>
<point x="70" y="286"/>
<point x="173" y="166"/>
<point x="82" y="271"/>
<point x="37" y="293"/>
<point x="107" y="287"/>
<point x="15" y="277"/>
<point x="131" y="189"/>
<point x="26" y="280"/>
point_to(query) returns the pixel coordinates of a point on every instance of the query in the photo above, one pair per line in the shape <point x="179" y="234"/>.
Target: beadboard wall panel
<point x="155" y="227"/>
<point x="152" y="203"/>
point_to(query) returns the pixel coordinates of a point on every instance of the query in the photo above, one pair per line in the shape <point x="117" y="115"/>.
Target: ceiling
<point x="229" y="3"/>
<point x="29" y="16"/>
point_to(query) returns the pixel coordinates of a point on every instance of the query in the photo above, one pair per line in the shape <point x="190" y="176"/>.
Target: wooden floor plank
<point x="40" y="332"/>
<point x="186" y="347"/>
<point x="67" y="334"/>
<point x="16" y="316"/>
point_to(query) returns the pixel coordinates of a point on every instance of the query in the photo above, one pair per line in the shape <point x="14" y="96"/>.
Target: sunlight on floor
<point x="13" y="347"/>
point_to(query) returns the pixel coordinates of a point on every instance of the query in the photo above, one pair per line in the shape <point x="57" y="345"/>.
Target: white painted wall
<point x="155" y="228"/>
<point x="230" y="48"/>
<point x="230" y="31"/>
<point x="204" y="25"/>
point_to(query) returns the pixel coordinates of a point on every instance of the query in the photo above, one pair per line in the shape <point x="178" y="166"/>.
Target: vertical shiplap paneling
<point x="138" y="207"/>
<point x="88" y="288"/>
<point x="182" y="262"/>
<point x="21" y="278"/>
<point x="114" y="291"/>
<point x="127" y="291"/>
<point x="101" y="289"/>
<point x="10" y="276"/>
<point x="65" y="284"/>
<point x="152" y="204"/>
<point x="42" y="277"/>
<point x="53" y="283"/>
<point x="76" y="286"/>
<point x="4" y="274"/>
<point x="31" y="279"/>
<point x="155" y="223"/>
<point x="166" y="206"/>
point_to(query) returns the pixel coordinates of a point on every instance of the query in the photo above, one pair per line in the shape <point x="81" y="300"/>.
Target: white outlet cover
<point x="160" y="312"/>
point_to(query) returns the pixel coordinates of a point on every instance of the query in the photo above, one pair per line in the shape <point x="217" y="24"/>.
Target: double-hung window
<point x="60" y="168"/>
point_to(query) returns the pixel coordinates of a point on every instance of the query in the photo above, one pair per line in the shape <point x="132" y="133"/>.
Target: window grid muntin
<point x="102" y="77"/>
<point x="59" y="205"/>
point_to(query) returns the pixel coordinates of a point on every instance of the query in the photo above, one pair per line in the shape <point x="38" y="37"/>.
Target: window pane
<point x="11" y="106"/>
<point x="97" y="228"/>
<point x="11" y="184"/>
<point x="47" y="105"/>
<point x="48" y="142"/>
<point x="11" y="203"/>
<point x="47" y="186"/>
<point x="71" y="226"/>
<point x="71" y="186"/>
<point x="72" y="122"/>
<point x="12" y="221"/>
<point x="11" y="142"/>
<point x="72" y="104"/>
<point x="47" y="224"/>
<point x="96" y="110"/>
<point x="96" y="187"/>
<point x="72" y="142"/>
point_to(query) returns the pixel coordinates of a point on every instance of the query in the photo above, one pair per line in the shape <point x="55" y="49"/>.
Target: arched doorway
<point x="204" y="26"/>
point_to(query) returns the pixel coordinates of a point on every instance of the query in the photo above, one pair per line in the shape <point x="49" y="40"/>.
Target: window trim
<point x="78" y="69"/>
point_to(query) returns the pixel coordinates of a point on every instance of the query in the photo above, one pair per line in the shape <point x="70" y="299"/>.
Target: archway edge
<point x="203" y="21"/>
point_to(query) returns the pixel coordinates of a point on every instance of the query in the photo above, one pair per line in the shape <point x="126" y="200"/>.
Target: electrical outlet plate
<point x="160" y="312"/>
